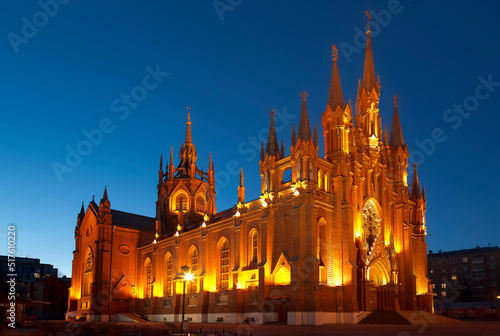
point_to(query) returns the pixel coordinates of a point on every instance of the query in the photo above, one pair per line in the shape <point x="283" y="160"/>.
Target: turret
<point x="105" y="209"/>
<point x="304" y="151"/>
<point x="337" y="118"/>
<point x="269" y="180"/>
<point x="398" y="148"/>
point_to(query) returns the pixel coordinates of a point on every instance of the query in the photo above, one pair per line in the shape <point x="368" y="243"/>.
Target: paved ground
<point x="479" y="328"/>
<point x="459" y="329"/>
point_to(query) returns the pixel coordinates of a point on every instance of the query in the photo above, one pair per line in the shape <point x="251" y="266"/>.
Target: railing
<point x="362" y="315"/>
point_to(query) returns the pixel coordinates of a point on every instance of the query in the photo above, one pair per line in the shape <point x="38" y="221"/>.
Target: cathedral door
<point x="283" y="311"/>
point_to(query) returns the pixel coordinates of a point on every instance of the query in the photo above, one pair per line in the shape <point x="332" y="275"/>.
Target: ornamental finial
<point x="272" y="113"/>
<point x="395" y="100"/>
<point x="335" y="52"/>
<point x="303" y="95"/>
<point x="189" y="113"/>
<point x="368" y="17"/>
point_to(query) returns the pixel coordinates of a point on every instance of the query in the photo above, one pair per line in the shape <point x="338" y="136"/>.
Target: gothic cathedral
<point x="329" y="238"/>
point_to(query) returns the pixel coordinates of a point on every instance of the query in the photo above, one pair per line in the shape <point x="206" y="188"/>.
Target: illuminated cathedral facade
<point x="330" y="237"/>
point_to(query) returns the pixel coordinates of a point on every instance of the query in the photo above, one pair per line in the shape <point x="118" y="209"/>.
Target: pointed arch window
<point x="194" y="270"/>
<point x="322" y="256"/>
<point x="327" y="183"/>
<point x="320" y="179"/>
<point x="200" y="204"/>
<point x="181" y="203"/>
<point x="255" y="247"/>
<point x="170" y="275"/>
<point x="87" y="273"/>
<point x="149" y="279"/>
<point x="224" y="265"/>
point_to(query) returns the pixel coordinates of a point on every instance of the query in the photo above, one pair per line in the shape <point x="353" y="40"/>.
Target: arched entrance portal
<point x="378" y="273"/>
<point x="379" y="276"/>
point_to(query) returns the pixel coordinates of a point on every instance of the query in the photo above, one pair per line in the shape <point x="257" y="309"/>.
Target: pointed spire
<point x="335" y="96"/>
<point x="241" y="177"/>
<point x="396" y="132"/>
<point x="241" y="188"/>
<point x="315" y="135"/>
<point x="415" y="186"/>
<point x="187" y="154"/>
<point x="272" y="147"/>
<point x="304" y="127"/>
<point x="386" y="136"/>
<point x="369" y="79"/>
<point x="104" y="196"/>
<point x="161" y="162"/>
<point x="82" y="212"/>
<point x="293" y="135"/>
<point x="282" y="150"/>
<point x="209" y="160"/>
<point x="188" y="128"/>
<point x="262" y="151"/>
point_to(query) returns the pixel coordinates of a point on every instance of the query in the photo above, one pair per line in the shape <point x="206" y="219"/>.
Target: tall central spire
<point x="187" y="154"/>
<point x="335" y="96"/>
<point x="188" y="128"/>
<point x="369" y="80"/>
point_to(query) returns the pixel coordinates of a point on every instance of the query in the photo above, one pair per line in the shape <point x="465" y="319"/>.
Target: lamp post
<point x="186" y="271"/>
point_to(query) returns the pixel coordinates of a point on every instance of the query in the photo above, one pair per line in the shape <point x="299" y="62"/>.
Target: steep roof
<point x="335" y="96"/>
<point x="272" y="147"/>
<point x="369" y="80"/>
<point x="415" y="186"/>
<point x="132" y="221"/>
<point x="304" y="126"/>
<point x="396" y="132"/>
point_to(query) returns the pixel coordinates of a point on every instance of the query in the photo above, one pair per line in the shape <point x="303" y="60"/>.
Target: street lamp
<point x="187" y="276"/>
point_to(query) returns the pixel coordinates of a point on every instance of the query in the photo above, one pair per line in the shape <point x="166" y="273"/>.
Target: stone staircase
<point x="419" y="317"/>
<point x="128" y="317"/>
<point x="385" y="317"/>
<point x="406" y="317"/>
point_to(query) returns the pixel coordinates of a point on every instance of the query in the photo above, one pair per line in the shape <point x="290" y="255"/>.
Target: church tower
<point x="186" y="194"/>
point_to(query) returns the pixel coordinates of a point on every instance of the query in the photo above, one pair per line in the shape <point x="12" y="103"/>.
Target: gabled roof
<point x="132" y="221"/>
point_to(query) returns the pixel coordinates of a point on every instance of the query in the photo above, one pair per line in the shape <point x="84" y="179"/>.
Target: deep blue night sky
<point x="74" y="72"/>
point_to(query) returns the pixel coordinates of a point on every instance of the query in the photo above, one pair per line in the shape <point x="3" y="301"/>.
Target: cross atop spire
<point x="368" y="17"/>
<point x="395" y="100"/>
<point x="303" y="95"/>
